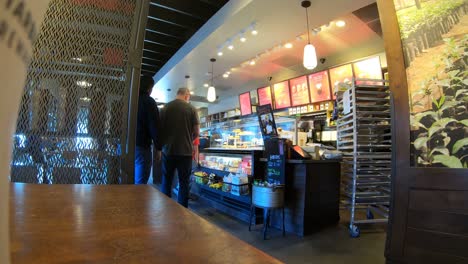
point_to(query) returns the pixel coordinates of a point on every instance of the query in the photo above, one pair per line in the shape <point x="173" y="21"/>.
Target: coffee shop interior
<point x="258" y="54"/>
<point x="297" y="133"/>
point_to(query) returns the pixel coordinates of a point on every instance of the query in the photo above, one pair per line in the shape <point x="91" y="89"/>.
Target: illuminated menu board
<point x="319" y="87"/>
<point x="245" y="104"/>
<point x="281" y="92"/>
<point x="264" y="96"/>
<point x="342" y="74"/>
<point x="299" y="91"/>
<point x="368" y="69"/>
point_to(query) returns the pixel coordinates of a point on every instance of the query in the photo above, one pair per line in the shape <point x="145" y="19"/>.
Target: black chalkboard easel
<point x="276" y="160"/>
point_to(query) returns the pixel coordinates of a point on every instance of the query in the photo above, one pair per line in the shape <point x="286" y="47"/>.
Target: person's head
<point x="146" y="84"/>
<point x="183" y="94"/>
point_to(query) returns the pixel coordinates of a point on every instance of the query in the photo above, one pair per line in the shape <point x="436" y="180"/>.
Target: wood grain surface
<point x="115" y="224"/>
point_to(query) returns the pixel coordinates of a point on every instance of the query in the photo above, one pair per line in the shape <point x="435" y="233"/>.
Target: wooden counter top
<point x="115" y="224"/>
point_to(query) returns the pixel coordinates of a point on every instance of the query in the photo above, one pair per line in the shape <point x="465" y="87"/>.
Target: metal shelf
<point x="364" y="137"/>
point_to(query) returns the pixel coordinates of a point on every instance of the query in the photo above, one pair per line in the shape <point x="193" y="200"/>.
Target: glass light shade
<point x="211" y="96"/>
<point x="310" y="57"/>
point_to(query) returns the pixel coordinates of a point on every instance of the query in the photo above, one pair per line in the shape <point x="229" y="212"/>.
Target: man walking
<point x="181" y="127"/>
<point x="147" y="130"/>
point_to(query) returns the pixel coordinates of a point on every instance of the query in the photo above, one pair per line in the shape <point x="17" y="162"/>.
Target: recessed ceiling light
<point x="243" y="39"/>
<point x="228" y="72"/>
<point x="254" y="32"/>
<point x="231" y="47"/>
<point x="220" y="53"/>
<point x="206" y="85"/>
<point x="225" y="75"/>
<point x="252" y="62"/>
<point x="340" y="23"/>
<point x="288" y="45"/>
<point x="191" y="92"/>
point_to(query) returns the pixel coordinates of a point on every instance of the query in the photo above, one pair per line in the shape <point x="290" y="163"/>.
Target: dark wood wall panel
<point x="439" y="200"/>
<point x="438" y="243"/>
<point x="450" y="223"/>
<point x="418" y="255"/>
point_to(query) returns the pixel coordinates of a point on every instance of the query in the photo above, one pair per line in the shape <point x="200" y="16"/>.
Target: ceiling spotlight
<point x="228" y="72"/>
<point x="231" y="47"/>
<point x="220" y="53"/>
<point x="206" y="85"/>
<point x="340" y="23"/>
<point x="288" y="45"/>
<point x="225" y="75"/>
<point x="252" y="62"/>
<point x="191" y="92"/>
<point x="254" y="32"/>
<point x="243" y="39"/>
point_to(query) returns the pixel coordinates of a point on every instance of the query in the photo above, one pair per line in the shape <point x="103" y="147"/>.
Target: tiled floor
<point x="331" y="245"/>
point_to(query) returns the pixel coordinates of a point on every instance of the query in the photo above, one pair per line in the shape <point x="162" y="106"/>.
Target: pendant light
<point x="211" y="96"/>
<point x="310" y="55"/>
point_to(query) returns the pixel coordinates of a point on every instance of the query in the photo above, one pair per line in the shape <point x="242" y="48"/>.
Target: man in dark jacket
<point x="148" y="129"/>
<point x="181" y="127"/>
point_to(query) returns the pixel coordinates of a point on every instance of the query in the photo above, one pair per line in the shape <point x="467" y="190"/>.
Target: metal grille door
<point x="73" y="117"/>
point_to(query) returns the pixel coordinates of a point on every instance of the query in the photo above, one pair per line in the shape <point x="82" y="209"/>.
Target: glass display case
<point x="245" y="133"/>
<point x="241" y="163"/>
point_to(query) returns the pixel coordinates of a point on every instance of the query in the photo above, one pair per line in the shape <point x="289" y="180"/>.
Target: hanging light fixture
<point x="310" y="55"/>
<point x="187" y="78"/>
<point x="211" y="96"/>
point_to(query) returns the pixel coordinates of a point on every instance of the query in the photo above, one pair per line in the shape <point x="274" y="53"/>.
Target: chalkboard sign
<point x="275" y="153"/>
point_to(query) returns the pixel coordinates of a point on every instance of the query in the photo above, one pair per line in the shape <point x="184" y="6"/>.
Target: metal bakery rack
<point x="364" y="137"/>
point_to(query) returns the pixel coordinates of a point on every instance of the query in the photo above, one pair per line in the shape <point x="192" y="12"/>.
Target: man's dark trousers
<point x="183" y="164"/>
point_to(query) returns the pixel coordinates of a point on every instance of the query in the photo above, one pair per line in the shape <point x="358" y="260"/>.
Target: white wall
<point x="12" y="75"/>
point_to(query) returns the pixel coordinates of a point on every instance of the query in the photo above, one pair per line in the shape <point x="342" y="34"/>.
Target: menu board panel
<point x="319" y="86"/>
<point x="245" y="104"/>
<point x="341" y="74"/>
<point x="281" y="92"/>
<point x="368" y="69"/>
<point x="264" y="96"/>
<point x="299" y="91"/>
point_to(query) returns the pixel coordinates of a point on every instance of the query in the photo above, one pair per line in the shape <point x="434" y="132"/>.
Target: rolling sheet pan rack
<point x="364" y="137"/>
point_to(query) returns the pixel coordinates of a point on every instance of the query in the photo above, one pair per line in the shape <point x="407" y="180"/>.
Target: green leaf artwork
<point x="421" y="142"/>
<point x="459" y="145"/>
<point x="448" y="161"/>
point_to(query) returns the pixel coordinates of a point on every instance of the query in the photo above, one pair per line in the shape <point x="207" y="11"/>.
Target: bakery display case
<point x="224" y="177"/>
<point x="244" y="133"/>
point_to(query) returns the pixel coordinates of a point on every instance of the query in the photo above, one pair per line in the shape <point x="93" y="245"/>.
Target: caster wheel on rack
<point x="354" y="231"/>
<point x="369" y="214"/>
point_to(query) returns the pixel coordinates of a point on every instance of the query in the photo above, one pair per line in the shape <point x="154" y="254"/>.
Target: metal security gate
<point x="74" y="118"/>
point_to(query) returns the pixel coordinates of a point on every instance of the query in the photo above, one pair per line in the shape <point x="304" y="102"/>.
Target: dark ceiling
<point x="170" y="24"/>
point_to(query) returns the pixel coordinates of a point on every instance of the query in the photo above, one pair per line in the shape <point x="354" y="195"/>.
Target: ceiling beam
<point x="150" y="68"/>
<point x="175" y="18"/>
<point x="194" y="8"/>
<point x="164" y="40"/>
<point x="152" y="62"/>
<point x="159" y="48"/>
<point x="147" y="72"/>
<point x="156" y="55"/>
<point x="165" y="28"/>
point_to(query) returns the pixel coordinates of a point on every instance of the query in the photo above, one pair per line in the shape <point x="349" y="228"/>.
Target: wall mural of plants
<point x="434" y="35"/>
